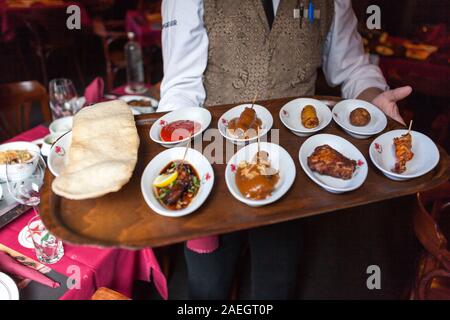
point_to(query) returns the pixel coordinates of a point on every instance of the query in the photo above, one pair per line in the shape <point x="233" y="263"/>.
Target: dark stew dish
<point x="177" y="185"/>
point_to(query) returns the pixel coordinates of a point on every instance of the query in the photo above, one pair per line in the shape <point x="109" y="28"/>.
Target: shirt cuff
<point x="174" y="102"/>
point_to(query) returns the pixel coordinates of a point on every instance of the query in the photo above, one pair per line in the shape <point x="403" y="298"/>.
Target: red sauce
<point x="179" y="130"/>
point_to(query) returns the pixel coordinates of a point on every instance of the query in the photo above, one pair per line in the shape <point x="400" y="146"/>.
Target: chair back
<point x="15" y="107"/>
<point x="433" y="276"/>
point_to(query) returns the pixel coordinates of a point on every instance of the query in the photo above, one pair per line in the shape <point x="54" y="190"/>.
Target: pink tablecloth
<point x="97" y="267"/>
<point x="146" y="35"/>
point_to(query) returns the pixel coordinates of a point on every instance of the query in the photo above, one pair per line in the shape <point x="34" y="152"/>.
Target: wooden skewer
<point x="254" y="99"/>
<point x="410" y="125"/>
<point x="259" y="147"/>
<point x="185" y="151"/>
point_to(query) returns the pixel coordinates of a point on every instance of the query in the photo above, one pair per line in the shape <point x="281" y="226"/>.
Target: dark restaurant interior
<point x="405" y="237"/>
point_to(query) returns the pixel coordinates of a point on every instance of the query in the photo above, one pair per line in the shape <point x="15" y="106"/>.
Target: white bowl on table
<point x="158" y="163"/>
<point x="331" y="184"/>
<point x="61" y="126"/>
<point x="58" y="155"/>
<point x="290" y="116"/>
<point x="197" y="114"/>
<point x="141" y="110"/>
<point x="279" y="159"/>
<point x="382" y="153"/>
<point x="19" y="171"/>
<point x="341" y="115"/>
<point x="262" y="113"/>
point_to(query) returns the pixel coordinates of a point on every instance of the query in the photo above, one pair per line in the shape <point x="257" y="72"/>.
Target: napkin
<point x="11" y="266"/>
<point x="203" y="245"/>
<point x="94" y="91"/>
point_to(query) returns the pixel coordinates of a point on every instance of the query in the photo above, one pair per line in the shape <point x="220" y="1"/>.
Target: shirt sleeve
<point x="344" y="60"/>
<point x="185" y="54"/>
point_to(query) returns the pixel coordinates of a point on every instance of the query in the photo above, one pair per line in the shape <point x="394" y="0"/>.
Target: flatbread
<point x="103" y="152"/>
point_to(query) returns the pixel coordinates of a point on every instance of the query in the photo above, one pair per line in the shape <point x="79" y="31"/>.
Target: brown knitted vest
<point x="245" y="57"/>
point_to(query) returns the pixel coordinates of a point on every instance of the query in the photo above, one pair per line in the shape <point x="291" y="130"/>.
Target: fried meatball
<point x="359" y="117"/>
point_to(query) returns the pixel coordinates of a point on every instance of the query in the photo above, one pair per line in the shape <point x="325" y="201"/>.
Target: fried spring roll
<point x="309" y="117"/>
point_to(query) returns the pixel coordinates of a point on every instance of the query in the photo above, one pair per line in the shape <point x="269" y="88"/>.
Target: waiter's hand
<point x="387" y="101"/>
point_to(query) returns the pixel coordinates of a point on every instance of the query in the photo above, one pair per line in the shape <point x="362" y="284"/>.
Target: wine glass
<point x="25" y="177"/>
<point x="63" y="98"/>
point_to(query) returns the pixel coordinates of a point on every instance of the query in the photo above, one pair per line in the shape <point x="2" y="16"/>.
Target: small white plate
<point x="8" y="288"/>
<point x="61" y="126"/>
<point x="279" y="159"/>
<point x="262" y="113"/>
<point x="141" y="110"/>
<point x="290" y="115"/>
<point x="382" y="154"/>
<point x="331" y="184"/>
<point x="197" y="114"/>
<point x="341" y="115"/>
<point x="58" y="156"/>
<point x="21" y="171"/>
<point x="153" y="169"/>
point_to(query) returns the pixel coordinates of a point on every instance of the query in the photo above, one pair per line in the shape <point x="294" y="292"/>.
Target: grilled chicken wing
<point x="327" y="161"/>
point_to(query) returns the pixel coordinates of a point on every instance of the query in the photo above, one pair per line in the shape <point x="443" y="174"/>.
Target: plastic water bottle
<point x="135" y="67"/>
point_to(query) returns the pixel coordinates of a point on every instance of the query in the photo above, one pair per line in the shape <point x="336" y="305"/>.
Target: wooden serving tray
<point x="123" y="219"/>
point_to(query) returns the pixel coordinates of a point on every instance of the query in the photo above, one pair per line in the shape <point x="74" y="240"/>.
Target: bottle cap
<point x="130" y="35"/>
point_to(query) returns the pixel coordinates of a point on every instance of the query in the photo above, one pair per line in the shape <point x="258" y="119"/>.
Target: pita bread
<point x="103" y="152"/>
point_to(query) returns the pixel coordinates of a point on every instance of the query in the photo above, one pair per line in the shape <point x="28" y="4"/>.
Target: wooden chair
<point x="108" y="294"/>
<point x="433" y="274"/>
<point x="113" y="37"/>
<point x="15" y="107"/>
<point x="48" y="37"/>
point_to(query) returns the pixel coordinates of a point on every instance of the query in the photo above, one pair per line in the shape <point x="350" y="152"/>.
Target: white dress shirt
<point x="185" y="54"/>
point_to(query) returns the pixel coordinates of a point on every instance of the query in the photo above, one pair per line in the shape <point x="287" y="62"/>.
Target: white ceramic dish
<point x="61" y="125"/>
<point x="290" y="116"/>
<point x="8" y="288"/>
<point x="200" y="115"/>
<point x="141" y="110"/>
<point x="18" y="171"/>
<point x="279" y="159"/>
<point x="331" y="184"/>
<point x="262" y="113"/>
<point x="153" y="169"/>
<point x="382" y="154"/>
<point x="341" y="115"/>
<point x="58" y="155"/>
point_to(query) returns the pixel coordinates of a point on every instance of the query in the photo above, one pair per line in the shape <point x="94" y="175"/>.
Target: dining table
<point x="123" y="218"/>
<point x="83" y="269"/>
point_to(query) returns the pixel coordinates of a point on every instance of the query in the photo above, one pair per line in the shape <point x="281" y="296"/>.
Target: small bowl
<point x="141" y="110"/>
<point x="262" y="113"/>
<point x="19" y="171"/>
<point x="200" y="115"/>
<point x="382" y="154"/>
<point x="280" y="160"/>
<point x="331" y="184"/>
<point x="290" y="116"/>
<point x="341" y="115"/>
<point x="61" y="125"/>
<point x="152" y="170"/>
<point x="58" y="155"/>
<point x="46" y="143"/>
